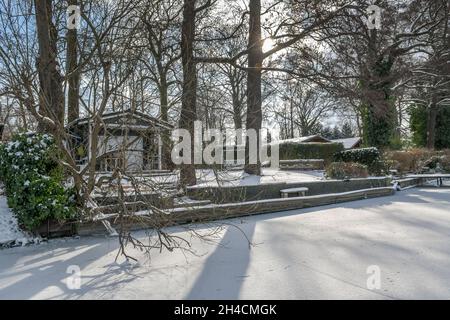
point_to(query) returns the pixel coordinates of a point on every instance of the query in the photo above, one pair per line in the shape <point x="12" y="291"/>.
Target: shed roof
<point x="142" y="117"/>
<point x="307" y="139"/>
<point x="349" y="143"/>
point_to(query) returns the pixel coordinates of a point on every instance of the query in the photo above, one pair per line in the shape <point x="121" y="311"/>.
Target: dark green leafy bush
<point x="34" y="182"/>
<point x="292" y="150"/>
<point x="369" y="157"/>
<point x="418" y="126"/>
<point x="346" y="170"/>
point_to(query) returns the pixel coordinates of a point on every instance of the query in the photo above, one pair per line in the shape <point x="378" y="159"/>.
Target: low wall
<point x="231" y="194"/>
<point x="232" y="210"/>
<point x="409" y="182"/>
<point x="149" y="198"/>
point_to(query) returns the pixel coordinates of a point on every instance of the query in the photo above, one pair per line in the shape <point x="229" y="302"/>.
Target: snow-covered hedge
<point x="346" y="170"/>
<point x="293" y="150"/>
<point x="34" y="181"/>
<point x="369" y="157"/>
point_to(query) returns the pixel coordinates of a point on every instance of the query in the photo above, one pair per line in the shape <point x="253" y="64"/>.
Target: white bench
<point x="297" y="191"/>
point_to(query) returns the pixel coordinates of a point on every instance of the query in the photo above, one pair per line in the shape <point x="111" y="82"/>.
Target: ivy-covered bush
<point x="418" y="125"/>
<point x="34" y="181"/>
<point x="369" y="157"/>
<point x="325" y="151"/>
<point x="346" y="170"/>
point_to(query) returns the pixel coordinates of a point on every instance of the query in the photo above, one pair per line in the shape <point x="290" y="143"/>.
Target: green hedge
<point x="369" y="157"/>
<point x="292" y="150"/>
<point x="34" y="182"/>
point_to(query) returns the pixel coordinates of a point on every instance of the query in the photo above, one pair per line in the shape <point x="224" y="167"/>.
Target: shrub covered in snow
<point x="409" y="160"/>
<point x="445" y="163"/>
<point x="34" y="181"/>
<point x="437" y="163"/>
<point x="293" y="150"/>
<point x="369" y="157"/>
<point x="343" y="170"/>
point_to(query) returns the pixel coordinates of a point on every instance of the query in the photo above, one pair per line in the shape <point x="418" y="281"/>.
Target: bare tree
<point x="51" y="99"/>
<point x="371" y="58"/>
<point x="429" y="79"/>
<point x="289" y="29"/>
<point x="73" y="73"/>
<point x="188" y="102"/>
<point x="304" y="108"/>
<point x="161" y="20"/>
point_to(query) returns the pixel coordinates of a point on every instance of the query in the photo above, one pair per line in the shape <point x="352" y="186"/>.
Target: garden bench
<point x="301" y="192"/>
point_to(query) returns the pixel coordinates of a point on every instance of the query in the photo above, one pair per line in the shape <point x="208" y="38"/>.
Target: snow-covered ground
<point x="10" y="233"/>
<point x="208" y="177"/>
<point x="317" y="253"/>
<point x="269" y="175"/>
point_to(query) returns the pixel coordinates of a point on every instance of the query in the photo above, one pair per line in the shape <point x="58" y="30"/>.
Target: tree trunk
<point x="51" y="100"/>
<point x="254" y="101"/>
<point x="164" y="113"/>
<point x="237" y="121"/>
<point x="236" y="96"/>
<point x="431" y="125"/>
<point x="73" y="111"/>
<point x="237" y="107"/>
<point x="380" y="120"/>
<point x="188" y="100"/>
<point x="291" y="118"/>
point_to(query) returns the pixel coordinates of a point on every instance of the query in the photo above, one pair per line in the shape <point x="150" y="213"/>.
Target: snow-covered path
<point x="318" y="253"/>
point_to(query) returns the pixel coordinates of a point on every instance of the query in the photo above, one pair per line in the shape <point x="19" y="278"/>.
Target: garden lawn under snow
<point x="208" y="177"/>
<point x="318" y="253"/>
<point x="269" y="175"/>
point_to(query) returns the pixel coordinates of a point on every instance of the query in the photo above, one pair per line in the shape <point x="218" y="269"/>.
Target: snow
<point x="306" y="139"/>
<point x="429" y="176"/>
<point x="301" y="161"/>
<point x="209" y="177"/>
<point x="10" y="233"/>
<point x="269" y="175"/>
<point x="348" y="142"/>
<point x="317" y="253"/>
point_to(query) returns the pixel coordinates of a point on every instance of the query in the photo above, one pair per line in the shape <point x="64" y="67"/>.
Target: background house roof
<point x="349" y="143"/>
<point x="130" y="113"/>
<point x="306" y="139"/>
